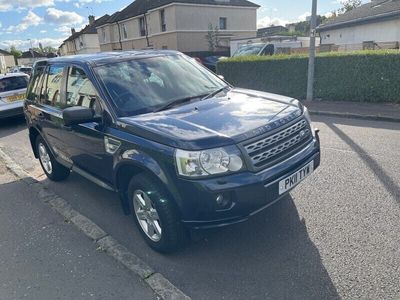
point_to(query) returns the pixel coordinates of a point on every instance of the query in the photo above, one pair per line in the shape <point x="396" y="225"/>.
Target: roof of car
<point x="7" y="75"/>
<point x="106" y="57"/>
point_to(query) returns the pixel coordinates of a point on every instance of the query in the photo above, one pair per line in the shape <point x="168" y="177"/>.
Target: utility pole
<point x="311" y="60"/>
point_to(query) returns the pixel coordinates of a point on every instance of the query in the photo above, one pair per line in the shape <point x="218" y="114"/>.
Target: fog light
<point x="223" y="201"/>
<point x="220" y="200"/>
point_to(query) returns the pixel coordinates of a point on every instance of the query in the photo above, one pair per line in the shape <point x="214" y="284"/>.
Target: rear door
<point x="45" y="105"/>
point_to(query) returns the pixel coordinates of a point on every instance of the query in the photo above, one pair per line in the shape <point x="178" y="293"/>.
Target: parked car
<point x="12" y="93"/>
<point x="23" y="69"/>
<point x="183" y="148"/>
<point x="211" y="61"/>
<point x="255" y="49"/>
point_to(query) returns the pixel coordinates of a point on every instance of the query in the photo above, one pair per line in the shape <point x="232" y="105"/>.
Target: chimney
<point x="91" y="20"/>
<point x="72" y="30"/>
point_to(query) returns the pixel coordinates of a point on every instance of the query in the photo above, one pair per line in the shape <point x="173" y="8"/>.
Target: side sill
<point x="69" y="164"/>
<point x="92" y="178"/>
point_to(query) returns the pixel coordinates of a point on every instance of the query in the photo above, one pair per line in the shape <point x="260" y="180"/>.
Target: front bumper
<point x="13" y="109"/>
<point x="249" y="193"/>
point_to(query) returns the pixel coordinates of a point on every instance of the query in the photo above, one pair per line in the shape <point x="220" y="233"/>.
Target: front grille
<point x="275" y="147"/>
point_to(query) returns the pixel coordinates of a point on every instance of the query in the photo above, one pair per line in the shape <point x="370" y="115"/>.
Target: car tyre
<point x="53" y="170"/>
<point x="156" y="215"/>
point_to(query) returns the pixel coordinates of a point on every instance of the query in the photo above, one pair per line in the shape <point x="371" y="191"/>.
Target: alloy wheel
<point x="147" y="215"/>
<point x="45" y="158"/>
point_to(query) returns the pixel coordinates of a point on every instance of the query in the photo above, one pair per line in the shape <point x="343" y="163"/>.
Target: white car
<point x="23" y="69"/>
<point x="12" y="94"/>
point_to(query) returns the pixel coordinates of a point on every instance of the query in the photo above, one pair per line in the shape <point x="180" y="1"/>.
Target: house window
<point x="124" y="32"/>
<point x="80" y="41"/>
<point x="142" y="26"/>
<point x="162" y="21"/>
<point x="103" y="35"/>
<point x="222" y="23"/>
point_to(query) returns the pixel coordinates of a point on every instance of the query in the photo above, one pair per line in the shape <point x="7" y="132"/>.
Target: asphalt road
<point x="336" y="236"/>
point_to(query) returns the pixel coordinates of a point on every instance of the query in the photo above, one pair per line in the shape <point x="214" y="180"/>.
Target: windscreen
<point x="249" y="50"/>
<point x="138" y="86"/>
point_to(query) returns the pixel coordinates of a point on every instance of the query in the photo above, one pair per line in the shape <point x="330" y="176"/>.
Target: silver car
<point x="12" y="94"/>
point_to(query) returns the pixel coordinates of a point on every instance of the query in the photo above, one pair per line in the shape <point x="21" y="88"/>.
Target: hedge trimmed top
<point x="370" y="76"/>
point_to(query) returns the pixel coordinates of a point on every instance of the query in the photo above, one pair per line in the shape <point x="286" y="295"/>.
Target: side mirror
<point x="78" y="115"/>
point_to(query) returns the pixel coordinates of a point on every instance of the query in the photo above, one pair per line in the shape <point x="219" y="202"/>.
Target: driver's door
<point x="85" y="142"/>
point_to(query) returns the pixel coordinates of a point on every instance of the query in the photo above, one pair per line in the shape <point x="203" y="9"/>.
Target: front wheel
<point x="155" y="214"/>
<point x="53" y="170"/>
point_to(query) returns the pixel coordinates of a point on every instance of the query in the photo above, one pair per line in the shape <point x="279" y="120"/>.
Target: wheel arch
<point x="126" y="169"/>
<point x="33" y="134"/>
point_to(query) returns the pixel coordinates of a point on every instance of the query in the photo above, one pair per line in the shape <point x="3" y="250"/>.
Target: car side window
<point x="53" y="87"/>
<point x="80" y="90"/>
<point x="34" y="86"/>
<point x="41" y="87"/>
<point x="268" y="50"/>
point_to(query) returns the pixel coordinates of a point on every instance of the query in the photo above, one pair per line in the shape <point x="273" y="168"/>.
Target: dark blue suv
<point x="183" y="148"/>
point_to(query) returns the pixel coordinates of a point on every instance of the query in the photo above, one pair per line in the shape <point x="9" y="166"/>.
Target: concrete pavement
<point x="43" y="257"/>
<point x="360" y="110"/>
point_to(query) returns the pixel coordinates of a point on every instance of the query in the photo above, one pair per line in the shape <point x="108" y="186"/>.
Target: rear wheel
<point x="53" y="170"/>
<point x="155" y="214"/>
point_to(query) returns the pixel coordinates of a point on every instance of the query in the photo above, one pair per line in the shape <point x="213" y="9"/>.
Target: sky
<point x="26" y="22"/>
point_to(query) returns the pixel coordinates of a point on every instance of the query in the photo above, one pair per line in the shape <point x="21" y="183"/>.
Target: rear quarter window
<point x="13" y="83"/>
<point x="53" y="87"/>
<point x="35" y="83"/>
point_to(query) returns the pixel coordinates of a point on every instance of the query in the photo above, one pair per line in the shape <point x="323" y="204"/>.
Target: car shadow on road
<point x="390" y="185"/>
<point x="271" y="256"/>
<point x="11" y="125"/>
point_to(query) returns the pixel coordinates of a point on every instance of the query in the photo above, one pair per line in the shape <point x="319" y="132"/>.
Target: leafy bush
<point x="370" y="76"/>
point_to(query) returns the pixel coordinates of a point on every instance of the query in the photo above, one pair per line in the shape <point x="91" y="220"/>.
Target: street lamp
<point x="33" y="53"/>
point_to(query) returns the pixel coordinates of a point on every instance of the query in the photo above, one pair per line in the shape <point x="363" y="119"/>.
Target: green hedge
<point x="370" y="76"/>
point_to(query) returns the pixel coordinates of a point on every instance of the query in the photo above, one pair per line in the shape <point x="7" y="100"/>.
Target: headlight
<point x="208" y="162"/>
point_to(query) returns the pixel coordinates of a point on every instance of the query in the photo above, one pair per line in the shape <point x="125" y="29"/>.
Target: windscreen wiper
<point x="212" y="94"/>
<point x="177" y="102"/>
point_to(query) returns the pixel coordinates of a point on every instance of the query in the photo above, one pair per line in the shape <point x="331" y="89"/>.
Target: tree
<point x="16" y="53"/>
<point x="45" y="50"/>
<point x="348" y="5"/>
<point x="210" y="38"/>
<point x="303" y="28"/>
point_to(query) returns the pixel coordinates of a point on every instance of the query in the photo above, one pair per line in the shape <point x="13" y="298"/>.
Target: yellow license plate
<point x="16" y="98"/>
